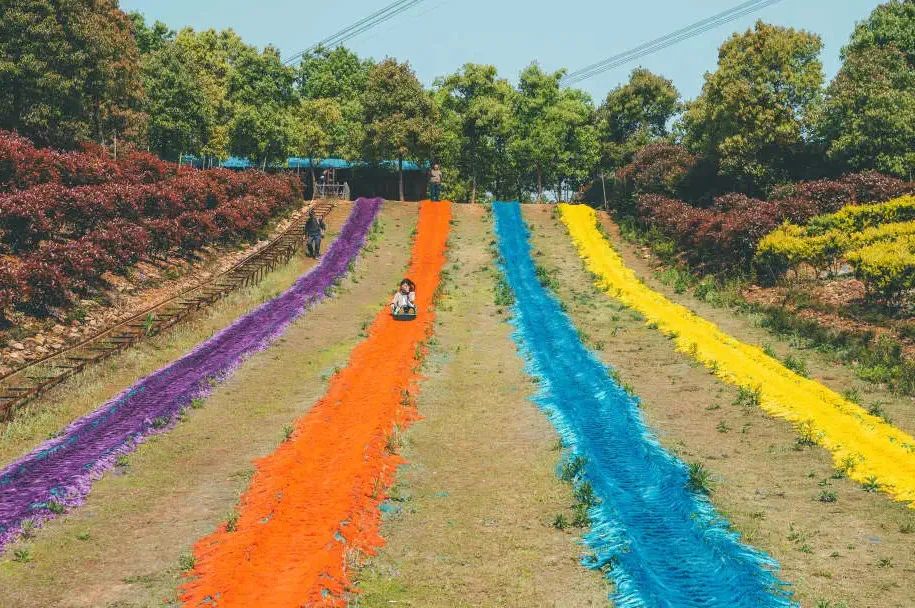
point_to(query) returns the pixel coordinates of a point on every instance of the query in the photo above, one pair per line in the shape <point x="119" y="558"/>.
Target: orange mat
<point x="316" y="499"/>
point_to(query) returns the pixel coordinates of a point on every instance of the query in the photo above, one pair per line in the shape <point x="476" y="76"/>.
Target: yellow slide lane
<point x="865" y="447"/>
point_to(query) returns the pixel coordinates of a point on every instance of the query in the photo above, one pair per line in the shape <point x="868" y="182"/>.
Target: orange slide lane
<point x="316" y="499"/>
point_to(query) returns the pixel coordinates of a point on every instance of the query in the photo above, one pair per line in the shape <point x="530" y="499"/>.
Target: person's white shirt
<point x="402" y="299"/>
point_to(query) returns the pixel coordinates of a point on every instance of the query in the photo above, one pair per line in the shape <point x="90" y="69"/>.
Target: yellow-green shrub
<point x="790" y="246"/>
<point x="826" y="238"/>
<point x="854" y="218"/>
<point x="886" y="267"/>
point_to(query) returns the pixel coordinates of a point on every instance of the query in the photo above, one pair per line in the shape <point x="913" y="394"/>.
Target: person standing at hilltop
<point x="435" y="182"/>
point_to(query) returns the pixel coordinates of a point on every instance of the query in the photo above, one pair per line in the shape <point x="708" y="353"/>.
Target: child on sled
<point x="404" y="300"/>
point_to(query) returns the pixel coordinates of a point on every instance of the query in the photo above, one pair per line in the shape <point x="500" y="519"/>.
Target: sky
<point x="438" y="36"/>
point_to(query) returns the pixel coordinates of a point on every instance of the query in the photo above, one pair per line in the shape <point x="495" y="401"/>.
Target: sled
<point x="404" y="316"/>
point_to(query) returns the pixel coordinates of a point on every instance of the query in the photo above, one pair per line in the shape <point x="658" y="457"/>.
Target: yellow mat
<point x="865" y="447"/>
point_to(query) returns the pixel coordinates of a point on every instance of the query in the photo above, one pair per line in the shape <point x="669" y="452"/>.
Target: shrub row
<point x="886" y="268"/>
<point x="725" y="234"/>
<point x="827" y="238"/>
<point x="52" y="273"/>
<point x="22" y="165"/>
<point x="859" y="217"/>
<point x="66" y="218"/>
<point x="51" y="211"/>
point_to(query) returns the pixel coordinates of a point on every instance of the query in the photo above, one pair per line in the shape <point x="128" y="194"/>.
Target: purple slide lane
<point x="58" y="474"/>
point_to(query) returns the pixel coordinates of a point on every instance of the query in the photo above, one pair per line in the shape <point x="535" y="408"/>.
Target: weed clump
<point x="699" y="478"/>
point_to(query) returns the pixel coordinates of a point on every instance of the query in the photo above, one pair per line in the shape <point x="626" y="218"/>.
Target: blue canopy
<point x="234" y="162"/>
<point x="339" y="163"/>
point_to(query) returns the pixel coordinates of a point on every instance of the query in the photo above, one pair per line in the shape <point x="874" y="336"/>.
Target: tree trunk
<point x="539" y="184"/>
<point x="473" y="191"/>
<point x="400" y="176"/>
<point x="603" y="186"/>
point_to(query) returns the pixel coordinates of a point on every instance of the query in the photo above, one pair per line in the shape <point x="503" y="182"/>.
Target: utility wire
<point x="667" y="40"/>
<point x="351" y="31"/>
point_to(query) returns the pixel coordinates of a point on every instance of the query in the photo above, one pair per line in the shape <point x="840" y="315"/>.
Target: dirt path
<point x="852" y="550"/>
<point x="127" y="545"/>
<point x="471" y="523"/>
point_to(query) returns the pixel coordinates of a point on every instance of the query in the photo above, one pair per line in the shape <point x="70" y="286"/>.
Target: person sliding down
<point x="314" y="232"/>
<point x="404" y="300"/>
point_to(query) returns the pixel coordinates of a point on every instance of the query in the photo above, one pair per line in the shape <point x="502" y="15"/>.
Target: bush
<point x="658" y="168"/>
<point x="827" y="238"/>
<point x="887" y="268"/>
<point x="68" y="218"/>
<point x="858" y="217"/>
<point x="726" y="234"/>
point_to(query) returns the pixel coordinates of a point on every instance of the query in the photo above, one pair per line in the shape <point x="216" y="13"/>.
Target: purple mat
<point x="59" y="473"/>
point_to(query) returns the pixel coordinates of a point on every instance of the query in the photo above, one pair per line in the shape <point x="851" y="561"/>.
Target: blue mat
<point x="661" y="544"/>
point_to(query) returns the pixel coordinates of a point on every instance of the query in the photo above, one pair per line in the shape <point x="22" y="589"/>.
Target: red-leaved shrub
<point x="69" y="217"/>
<point x="725" y="234"/>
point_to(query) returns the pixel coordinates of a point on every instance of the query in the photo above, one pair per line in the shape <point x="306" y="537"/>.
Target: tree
<point x="176" y="104"/>
<point x="338" y="75"/>
<point x="889" y="25"/>
<point x="260" y="89"/>
<point x="868" y="118"/>
<point x="537" y="141"/>
<point x="634" y="115"/>
<point x="265" y="133"/>
<point x="755" y="114"/>
<point x="478" y="115"/>
<point x="150" y="38"/>
<point x="316" y="123"/>
<point x="210" y="57"/>
<point x="579" y="149"/>
<point x="554" y="138"/>
<point x="69" y="70"/>
<point x="397" y="115"/>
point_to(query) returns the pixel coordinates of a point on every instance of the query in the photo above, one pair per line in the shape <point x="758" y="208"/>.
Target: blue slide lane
<point x="661" y="544"/>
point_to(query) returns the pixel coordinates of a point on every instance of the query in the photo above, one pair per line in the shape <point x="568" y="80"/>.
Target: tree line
<point x="72" y="70"/>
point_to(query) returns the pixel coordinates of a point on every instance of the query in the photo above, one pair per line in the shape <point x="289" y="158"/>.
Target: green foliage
<point x="868" y="119"/>
<point x="555" y="141"/>
<point x="316" y="129"/>
<point x="397" y="115"/>
<point x="69" y="71"/>
<point x="261" y="90"/>
<point x="756" y="109"/>
<point x="748" y="398"/>
<point x="796" y="364"/>
<point x="477" y="118"/>
<point x="150" y="38"/>
<point x="699" y="478"/>
<point x="635" y="114"/>
<point x="503" y="293"/>
<point x="175" y="103"/>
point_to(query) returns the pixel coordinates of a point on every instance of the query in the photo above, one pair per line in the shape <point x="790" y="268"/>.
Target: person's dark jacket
<point x="314" y="227"/>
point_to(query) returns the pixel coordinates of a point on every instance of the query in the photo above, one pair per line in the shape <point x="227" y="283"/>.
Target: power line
<point x="667" y="40"/>
<point x="363" y="25"/>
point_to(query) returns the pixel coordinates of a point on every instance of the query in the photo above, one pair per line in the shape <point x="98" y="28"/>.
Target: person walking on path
<point x="314" y="232"/>
<point x="435" y="182"/>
